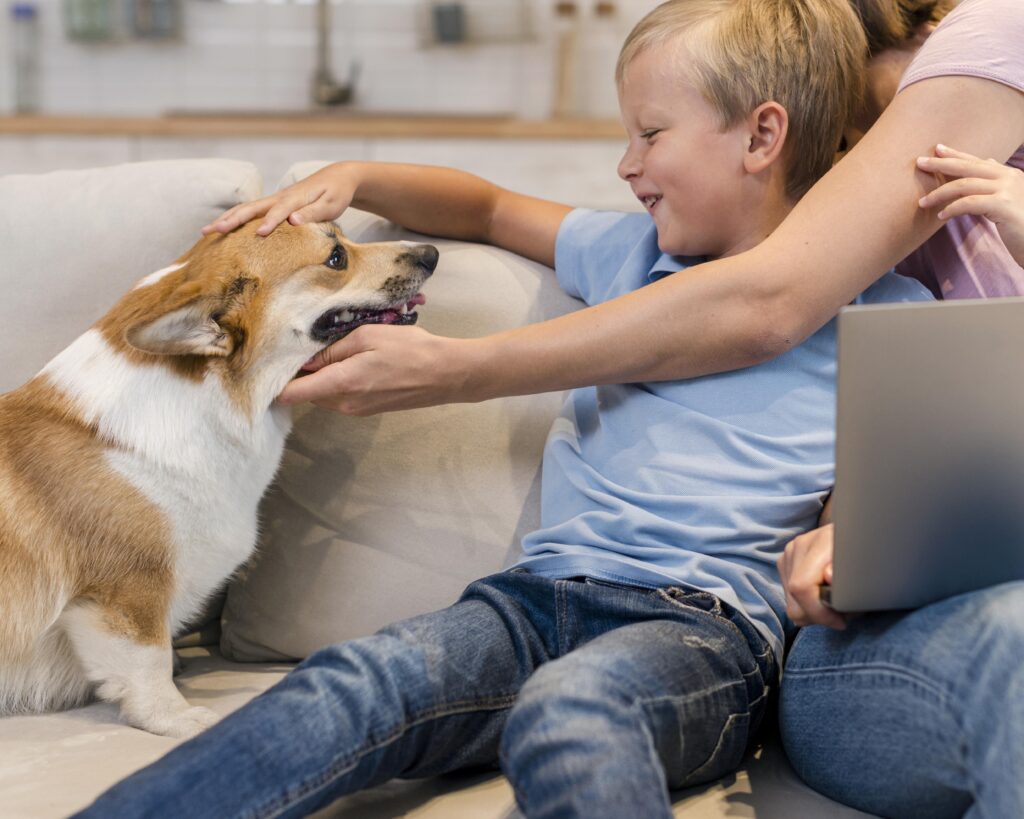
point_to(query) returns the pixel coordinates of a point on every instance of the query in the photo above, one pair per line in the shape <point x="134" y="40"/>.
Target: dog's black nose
<point x="427" y="256"/>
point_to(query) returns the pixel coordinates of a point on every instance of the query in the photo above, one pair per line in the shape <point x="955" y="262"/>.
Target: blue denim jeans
<point x="593" y="697"/>
<point x="914" y="714"/>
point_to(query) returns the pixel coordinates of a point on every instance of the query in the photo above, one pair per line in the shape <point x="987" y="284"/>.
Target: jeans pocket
<point x="724" y="757"/>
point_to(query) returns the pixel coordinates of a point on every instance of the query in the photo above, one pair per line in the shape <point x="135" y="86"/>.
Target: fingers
<point x="944" y="195"/>
<point x="805" y="564"/>
<point x="238" y="215"/>
<point x="965" y="165"/>
<point x="300" y="203"/>
<point x="313" y="387"/>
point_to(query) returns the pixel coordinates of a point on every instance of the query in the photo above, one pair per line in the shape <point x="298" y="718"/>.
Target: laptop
<point x="929" y="497"/>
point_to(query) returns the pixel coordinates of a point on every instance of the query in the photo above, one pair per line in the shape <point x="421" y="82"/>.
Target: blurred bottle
<point x="25" y="51"/>
<point x="89" y="20"/>
<point x="566" y="26"/>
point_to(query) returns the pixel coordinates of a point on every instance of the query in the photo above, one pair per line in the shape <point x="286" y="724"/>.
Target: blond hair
<point x="807" y="55"/>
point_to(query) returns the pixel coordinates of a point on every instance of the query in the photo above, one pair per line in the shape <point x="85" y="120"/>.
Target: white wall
<point x="259" y="55"/>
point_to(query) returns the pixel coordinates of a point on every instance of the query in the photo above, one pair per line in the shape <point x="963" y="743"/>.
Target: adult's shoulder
<point x="979" y="38"/>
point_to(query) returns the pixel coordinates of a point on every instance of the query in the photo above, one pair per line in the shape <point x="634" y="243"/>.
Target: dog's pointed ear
<point x="189" y="321"/>
<point x="191" y="329"/>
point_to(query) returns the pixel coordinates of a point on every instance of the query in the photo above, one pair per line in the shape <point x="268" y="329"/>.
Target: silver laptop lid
<point x="929" y="495"/>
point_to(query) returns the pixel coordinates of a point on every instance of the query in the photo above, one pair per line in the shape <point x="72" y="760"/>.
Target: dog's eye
<point x="338" y="260"/>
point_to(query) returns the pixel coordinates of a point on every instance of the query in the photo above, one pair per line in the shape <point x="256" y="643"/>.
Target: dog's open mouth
<point x="334" y="324"/>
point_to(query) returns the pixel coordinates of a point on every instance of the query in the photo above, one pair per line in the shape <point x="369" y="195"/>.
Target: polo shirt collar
<point x="666" y="264"/>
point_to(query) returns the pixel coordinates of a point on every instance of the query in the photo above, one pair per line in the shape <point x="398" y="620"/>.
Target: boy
<point x="635" y="645"/>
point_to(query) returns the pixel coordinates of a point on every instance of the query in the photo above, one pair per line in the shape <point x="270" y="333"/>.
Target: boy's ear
<point x="767" y="127"/>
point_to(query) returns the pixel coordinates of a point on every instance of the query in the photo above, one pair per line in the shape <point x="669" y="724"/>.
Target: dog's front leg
<point x="127" y="654"/>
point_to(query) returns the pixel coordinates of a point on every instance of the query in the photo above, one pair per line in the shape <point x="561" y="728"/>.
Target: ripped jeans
<point x="595" y="698"/>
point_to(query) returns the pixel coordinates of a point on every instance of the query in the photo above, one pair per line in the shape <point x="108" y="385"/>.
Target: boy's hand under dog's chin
<point x="381" y="368"/>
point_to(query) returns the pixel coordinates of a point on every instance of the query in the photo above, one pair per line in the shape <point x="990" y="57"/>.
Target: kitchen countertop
<point x="341" y="123"/>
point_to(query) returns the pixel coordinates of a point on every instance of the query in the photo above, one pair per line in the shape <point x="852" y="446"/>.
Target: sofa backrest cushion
<point x="376" y="519"/>
<point x="72" y="242"/>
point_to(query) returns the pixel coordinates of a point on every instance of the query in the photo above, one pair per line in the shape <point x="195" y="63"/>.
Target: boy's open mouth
<point x="334" y="324"/>
<point x="650" y="201"/>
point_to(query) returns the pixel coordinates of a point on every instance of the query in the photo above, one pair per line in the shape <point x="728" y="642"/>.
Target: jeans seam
<point x="333" y="772"/>
<point x="894" y="670"/>
<point x="727" y="728"/>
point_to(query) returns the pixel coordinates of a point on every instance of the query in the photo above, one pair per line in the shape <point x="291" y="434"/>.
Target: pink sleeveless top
<point x="966" y="258"/>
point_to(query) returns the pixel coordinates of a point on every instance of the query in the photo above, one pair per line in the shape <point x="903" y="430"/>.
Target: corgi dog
<point x="131" y="466"/>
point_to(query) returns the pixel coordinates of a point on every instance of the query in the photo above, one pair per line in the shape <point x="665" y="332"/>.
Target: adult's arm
<point x="856" y="223"/>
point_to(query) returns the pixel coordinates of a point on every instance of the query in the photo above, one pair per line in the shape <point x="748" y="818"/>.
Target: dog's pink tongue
<point x="419" y="298"/>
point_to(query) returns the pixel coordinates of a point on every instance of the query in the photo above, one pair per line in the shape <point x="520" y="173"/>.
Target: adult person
<point x="922" y="713"/>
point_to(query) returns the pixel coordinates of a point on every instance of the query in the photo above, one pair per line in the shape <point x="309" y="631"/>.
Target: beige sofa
<point x="370" y="520"/>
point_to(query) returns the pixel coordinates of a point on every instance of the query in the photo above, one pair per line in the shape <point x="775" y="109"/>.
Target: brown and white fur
<point x="132" y="465"/>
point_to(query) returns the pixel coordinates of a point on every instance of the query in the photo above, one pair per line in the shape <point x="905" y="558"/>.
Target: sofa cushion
<point x="54" y="764"/>
<point x="71" y="242"/>
<point x="376" y="519"/>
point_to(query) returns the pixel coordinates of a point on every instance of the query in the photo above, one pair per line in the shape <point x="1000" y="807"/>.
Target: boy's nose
<point x="628" y="166"/>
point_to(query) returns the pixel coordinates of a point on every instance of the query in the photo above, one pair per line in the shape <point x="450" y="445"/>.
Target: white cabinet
<point x="578" y="172"/>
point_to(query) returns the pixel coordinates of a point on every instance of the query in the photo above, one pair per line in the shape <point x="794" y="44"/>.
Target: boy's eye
<point x="650" y="132"/>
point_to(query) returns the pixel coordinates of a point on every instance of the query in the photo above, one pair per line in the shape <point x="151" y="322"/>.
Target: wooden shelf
<point x="326" y="125"/>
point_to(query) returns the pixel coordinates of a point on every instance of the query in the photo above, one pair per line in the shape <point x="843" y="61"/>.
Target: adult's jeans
<point x="914" y="714"/>
<point x="595" y="698"/>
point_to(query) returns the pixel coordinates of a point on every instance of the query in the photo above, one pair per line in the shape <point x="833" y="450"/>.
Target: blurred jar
<point x="155" y="19"/>
<point x="25" y="52"/>
<point x="91" y="20"/>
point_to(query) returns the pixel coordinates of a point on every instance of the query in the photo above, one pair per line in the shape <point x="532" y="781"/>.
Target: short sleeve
<point x="592" y="246"/>
<point x="979" y="38"/>
<point x="894" y="287"/>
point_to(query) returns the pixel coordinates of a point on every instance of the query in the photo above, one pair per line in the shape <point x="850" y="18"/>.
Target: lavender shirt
<point x="967" y="259"/>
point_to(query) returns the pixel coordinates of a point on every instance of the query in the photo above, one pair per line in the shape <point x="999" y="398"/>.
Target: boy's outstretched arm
<point x="435" y="201"/>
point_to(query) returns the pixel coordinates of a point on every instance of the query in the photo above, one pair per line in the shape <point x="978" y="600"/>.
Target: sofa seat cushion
<point x="53" y="765"/>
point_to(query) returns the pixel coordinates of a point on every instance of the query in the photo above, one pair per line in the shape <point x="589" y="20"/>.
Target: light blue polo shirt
<point x="697" y="483"/>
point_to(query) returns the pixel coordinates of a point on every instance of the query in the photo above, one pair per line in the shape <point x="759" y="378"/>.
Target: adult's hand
<point x="378" y="368"/>
<point x="805" y="564"/>
<point x="321" y="197"/>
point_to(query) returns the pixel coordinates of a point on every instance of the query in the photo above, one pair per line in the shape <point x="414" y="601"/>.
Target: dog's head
<point x="242" y="302"/>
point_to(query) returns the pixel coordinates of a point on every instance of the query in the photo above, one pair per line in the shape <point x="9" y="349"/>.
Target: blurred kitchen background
<point x="520" y="91"/>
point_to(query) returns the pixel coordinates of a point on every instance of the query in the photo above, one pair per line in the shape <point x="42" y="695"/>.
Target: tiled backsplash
<point x="259" y="56"/>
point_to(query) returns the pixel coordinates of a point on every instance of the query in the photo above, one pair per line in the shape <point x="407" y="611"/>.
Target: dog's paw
<point x="181" y="724"/>
<point x="191" y="722"/>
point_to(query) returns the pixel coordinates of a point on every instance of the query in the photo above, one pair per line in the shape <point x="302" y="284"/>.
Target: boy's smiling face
<point x="682" y="165"/>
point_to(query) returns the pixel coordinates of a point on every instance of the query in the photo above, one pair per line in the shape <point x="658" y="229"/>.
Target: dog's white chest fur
<point x="185" y="446"/>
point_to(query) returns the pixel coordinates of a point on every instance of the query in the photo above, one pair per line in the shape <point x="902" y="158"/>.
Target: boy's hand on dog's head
<point x="321" y="197"/>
